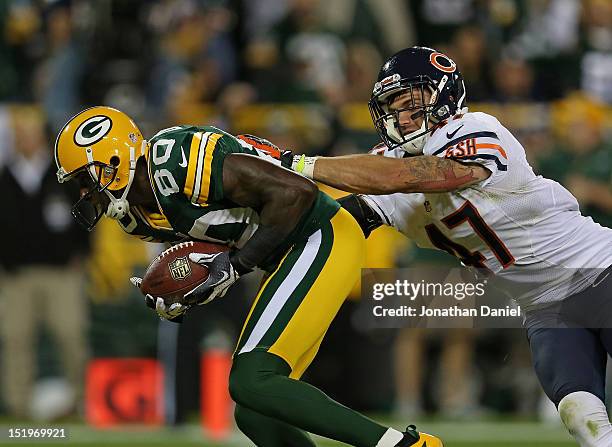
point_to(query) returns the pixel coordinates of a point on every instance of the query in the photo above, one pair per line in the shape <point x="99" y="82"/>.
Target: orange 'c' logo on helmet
<point x="442" y="62"/>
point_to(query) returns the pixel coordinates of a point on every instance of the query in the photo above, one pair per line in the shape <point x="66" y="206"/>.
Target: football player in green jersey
<point x="201" y="183"/>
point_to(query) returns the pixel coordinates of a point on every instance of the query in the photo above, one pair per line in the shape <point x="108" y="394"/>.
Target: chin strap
<point x="118" y="208"/>
<point x="416" y="145"/>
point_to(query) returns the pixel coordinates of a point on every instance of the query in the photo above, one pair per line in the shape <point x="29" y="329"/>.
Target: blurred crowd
<point x="300" y="73"/>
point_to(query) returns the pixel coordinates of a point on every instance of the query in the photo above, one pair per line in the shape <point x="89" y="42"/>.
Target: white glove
<point x="171" y="312"/>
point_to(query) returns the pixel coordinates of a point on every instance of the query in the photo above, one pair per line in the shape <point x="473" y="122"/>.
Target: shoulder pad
<point x="457" y="129"/>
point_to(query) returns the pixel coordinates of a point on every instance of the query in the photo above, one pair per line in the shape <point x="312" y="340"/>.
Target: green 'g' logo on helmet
<point x="92" y="130"/>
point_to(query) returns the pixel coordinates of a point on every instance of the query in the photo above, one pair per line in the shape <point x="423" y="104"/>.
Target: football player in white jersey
<point x="460" y="182"/>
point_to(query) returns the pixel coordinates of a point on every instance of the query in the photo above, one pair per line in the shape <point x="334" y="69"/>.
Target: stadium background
<point x="298" y="72"/>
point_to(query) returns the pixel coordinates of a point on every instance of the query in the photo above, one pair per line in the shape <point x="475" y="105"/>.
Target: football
<point x="172" y="274"/>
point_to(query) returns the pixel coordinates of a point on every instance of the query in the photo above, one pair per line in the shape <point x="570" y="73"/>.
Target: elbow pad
<point x="365" y="216"/>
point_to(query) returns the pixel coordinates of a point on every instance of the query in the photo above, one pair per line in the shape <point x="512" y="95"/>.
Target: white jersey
<point x="519" y="225"/>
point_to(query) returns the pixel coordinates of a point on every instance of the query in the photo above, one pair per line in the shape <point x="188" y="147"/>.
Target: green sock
<point x="265" y="431"/>
<point x="259" y="381"/>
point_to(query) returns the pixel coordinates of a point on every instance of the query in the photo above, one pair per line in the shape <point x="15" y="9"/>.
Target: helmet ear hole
<point x="114" y="160"/>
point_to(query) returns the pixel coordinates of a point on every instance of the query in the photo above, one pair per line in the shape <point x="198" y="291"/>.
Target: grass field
<point x="454" y="434"/>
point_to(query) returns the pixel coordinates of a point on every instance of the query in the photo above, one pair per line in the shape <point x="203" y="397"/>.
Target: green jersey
<point x="186" y="173"/>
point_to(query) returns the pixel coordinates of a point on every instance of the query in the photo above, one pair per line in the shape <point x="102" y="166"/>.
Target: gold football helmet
<point x="99" y="148"/>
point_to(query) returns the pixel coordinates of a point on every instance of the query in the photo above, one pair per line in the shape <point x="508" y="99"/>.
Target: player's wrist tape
<point x="304" y="165"/>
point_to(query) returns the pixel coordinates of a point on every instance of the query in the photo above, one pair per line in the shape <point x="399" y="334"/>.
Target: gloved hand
<point x="221" y="275"/>
<point x="173" y="312"/>
<point x="285" y="156"/>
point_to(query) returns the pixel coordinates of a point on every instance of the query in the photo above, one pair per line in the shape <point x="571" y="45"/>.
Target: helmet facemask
<point x="97" y="177"/>
<point x="387" y="121"/>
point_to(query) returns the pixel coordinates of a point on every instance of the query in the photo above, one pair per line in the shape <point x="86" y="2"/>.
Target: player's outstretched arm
<point x="373" y="174"/>
<point x="279" y="196"/>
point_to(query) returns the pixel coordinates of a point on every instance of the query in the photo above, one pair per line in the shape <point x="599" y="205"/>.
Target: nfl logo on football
<point x="180" y="268"/>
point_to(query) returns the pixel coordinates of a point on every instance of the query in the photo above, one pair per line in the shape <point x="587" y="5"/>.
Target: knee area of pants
<point x="244" y="383"/>
<point x="234" y="388"/>
<point x="240" y="416"/>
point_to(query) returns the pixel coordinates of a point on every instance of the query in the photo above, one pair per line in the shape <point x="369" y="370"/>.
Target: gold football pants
<point x="297" y="303"/>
